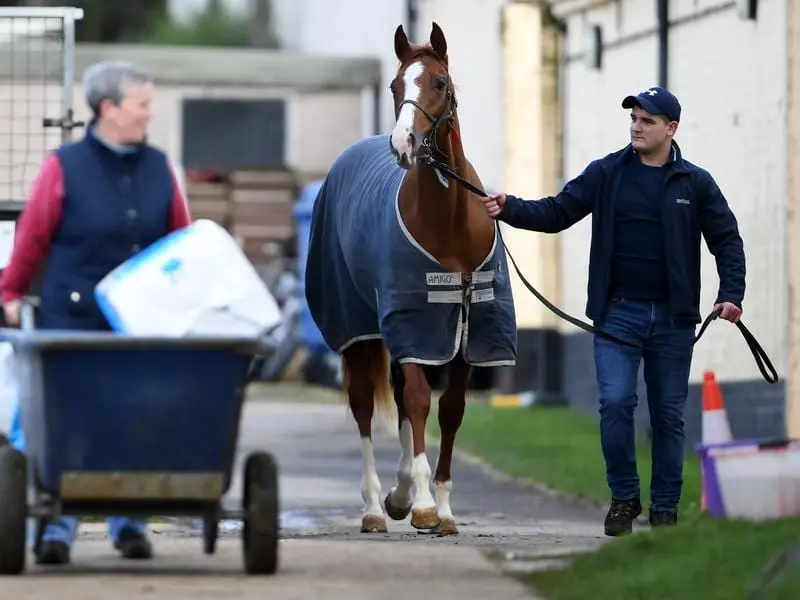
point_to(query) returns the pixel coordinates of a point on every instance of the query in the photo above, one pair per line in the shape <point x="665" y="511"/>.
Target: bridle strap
<point x="429" y="142"/>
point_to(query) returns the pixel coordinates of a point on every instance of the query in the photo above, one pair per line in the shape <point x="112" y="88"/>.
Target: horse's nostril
<point x="411" y="140"/>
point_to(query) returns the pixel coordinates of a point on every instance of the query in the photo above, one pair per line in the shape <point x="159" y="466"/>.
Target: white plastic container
<point x="752" y="480"/>
<point x="8" y="386"/>
<point x="194" y="282"/>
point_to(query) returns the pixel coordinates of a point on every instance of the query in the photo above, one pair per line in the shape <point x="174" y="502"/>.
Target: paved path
<point x="323" y="555"/>
<point x="319" y="453"/>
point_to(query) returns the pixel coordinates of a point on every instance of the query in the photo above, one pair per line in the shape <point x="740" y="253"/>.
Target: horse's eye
<point x="392" y="88"/>
<point x="441" y="83"/>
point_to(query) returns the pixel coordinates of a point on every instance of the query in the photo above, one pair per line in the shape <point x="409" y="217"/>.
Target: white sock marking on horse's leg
<point x="421" y="475"/>
<point x="442" y="490"/>
<point x="370" y="483"/>
<point x="405" y="120"/>
<point x="401" y="493"/>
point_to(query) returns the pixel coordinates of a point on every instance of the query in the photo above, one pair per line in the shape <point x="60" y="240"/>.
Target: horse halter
<point x="429" y="142"/>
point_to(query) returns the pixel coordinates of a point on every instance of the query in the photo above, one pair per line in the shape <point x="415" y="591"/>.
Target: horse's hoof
<point x="373" y="524"/>
<point x="395" y="513"/>
<point x="447" y="526"/>
<point x="424" y="518"/>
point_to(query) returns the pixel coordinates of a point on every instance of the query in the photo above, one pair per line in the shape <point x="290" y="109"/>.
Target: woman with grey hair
<point x="95" y="203"/>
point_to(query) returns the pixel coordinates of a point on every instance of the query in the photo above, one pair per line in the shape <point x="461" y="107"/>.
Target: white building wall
<point x="344" y="28"/>
<point x="328" y="27"/>
<point x="324" y="27"/>
<point x="595" y="124"/>
<point x="474" y="29"/>
<point x="366" y="28"/>
<point x="731" y="78"/>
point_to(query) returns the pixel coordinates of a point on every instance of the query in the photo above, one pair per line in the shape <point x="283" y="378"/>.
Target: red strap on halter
<point x="455" y="134"/>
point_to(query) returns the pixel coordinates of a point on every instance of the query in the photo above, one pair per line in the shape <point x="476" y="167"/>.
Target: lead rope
<point x="763" y="362"/>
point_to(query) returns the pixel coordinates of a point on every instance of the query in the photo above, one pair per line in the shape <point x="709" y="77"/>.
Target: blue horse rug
<point x="367" y="278"/>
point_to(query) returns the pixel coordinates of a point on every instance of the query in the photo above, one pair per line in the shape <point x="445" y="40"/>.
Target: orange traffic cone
<point x="716" y="428"/>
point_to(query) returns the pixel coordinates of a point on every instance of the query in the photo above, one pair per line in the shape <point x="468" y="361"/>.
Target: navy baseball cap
<point x="656" y="101"/>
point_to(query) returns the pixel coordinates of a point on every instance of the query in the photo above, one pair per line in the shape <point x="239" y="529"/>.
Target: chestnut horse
<point x="403" y="269"/>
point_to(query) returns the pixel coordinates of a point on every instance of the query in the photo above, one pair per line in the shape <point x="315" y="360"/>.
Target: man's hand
<point x="11" y="310"/>
<point x="494" y="204"/>
<point x="730" y="312"/>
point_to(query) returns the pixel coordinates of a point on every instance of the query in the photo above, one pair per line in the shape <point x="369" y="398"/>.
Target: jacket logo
<point x="683" y="201"/>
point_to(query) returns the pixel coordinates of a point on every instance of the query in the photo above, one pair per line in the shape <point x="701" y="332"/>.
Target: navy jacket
<point x="114" y="205"/>
<point x="693" y="205"/>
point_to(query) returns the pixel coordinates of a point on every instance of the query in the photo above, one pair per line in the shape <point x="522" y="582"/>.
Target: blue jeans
<point x="666" y="349"/>
<point x="66" y="528"/>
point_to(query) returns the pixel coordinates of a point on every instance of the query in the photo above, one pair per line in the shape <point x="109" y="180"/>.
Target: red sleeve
<point x="35" y="228"/>
<point x="179" y="217"/>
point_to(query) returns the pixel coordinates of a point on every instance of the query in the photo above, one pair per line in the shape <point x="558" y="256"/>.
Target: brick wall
<point x="731" y="78"/>
<point x="793" y="221"/>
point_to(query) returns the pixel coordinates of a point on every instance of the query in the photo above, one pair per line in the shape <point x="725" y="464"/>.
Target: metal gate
<point x="37" y="78"/>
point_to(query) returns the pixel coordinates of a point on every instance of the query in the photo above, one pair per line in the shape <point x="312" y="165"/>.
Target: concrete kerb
<point x="499" y="475"/>
<point x="502" y="476"/>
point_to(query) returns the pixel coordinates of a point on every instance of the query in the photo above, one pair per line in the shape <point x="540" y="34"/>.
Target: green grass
<point x="701" y="558"/>
<point x="557" y="447"/>
<point x="212" y="27"/>
<point x="706" y="559"/>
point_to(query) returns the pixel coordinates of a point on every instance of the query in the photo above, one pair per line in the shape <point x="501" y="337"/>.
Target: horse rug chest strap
<point x="466" y="287"/>
<point x="467" y="294"/>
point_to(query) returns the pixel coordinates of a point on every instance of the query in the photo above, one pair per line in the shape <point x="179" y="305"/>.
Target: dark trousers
<point x="666" y="350"/>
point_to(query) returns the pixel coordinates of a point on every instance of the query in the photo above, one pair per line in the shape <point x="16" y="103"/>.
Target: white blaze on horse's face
<point x="403" y="136"/>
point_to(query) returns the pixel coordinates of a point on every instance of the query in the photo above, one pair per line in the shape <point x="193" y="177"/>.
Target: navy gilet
<point x="116" y="202"/>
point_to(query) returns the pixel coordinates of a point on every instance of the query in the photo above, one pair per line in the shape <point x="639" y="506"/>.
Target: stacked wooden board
<point x="209" y="200"/>
<point x="255" y="206"/>
<point x="261" y="204"/>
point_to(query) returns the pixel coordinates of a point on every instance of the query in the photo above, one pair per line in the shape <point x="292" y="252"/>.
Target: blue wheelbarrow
<point x="121" y="425"/>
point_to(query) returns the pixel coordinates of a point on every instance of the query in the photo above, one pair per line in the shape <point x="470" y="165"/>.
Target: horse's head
<point x="423" y="96"/>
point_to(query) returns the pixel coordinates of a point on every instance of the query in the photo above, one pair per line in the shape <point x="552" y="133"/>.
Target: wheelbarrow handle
<point x="27" y="312"/>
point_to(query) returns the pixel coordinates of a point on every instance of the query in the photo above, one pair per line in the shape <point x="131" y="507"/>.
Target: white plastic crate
<point x="752" y="480"/>
<point x="194" y="282"/>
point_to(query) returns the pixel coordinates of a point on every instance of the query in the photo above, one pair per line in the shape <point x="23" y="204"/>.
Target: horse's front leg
<point x="398" y="501"/>
<point x="451" y="413"/>
<point x="417" y="404"/>
<point x="361" y="391"/>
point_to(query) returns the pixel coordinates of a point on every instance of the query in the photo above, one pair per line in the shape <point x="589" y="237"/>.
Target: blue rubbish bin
<point x="310" y="335"/>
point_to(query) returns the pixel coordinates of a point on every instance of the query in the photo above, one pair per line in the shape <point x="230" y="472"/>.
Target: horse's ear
<point x="438" y="41"/>
<point x="401" y="46"/>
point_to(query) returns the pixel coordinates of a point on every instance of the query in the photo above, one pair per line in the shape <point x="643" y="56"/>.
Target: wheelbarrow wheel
<point x="210" y="534"/>
<point x="261" y="514"/>
<point x="13" y="488"/>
